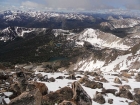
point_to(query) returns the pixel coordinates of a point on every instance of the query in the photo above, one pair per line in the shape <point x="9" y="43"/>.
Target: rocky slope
<point x="120" y="23"/>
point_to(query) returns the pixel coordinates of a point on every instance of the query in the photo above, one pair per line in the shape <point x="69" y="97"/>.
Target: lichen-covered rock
<point x="133" y="103"/>
<point x="71" y="76"/>
<point x="44" y="78"/>
<point x="123" y="92"/>
<point x="113" y="91"/>
<point x="137" y="77"/>
<point x="51" y="79"/>
<point x="103" y="80"/>
<point x="97" y="78"/>
<point x="60" y="77"/>
<point x="127" y="86"/>
<point x="110" y="101"/>
<point x="28" y="98"/>
<point x="137" y="90"/>
<point x="57" y="96"/>
<point x="124" y="79"/>
<point x="83" y="79"/>
<point x="15" y="89"/>
<point x="79" y="95"/>
<point x="137" y="98"/>
<point x="40" y="77"/>
<point x="125" y="74"/>
<point x="93" y="84"/>
<point x="99" y="98"/>
<point x="42" y="87"/>
<point x="22" y="82"/>
<point x="117" y="80"/>
<point x="67" y="103"/>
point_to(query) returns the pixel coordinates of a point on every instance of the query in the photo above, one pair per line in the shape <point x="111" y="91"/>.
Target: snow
<point x="80" y="43"/>
<point x="1" y="99"/>
<point x="90" y="66"/>
<point x="100" y="39"/>
<point x="8" y="93"/>
<point x="7" y="100"/>
<point x="60" y="83"/>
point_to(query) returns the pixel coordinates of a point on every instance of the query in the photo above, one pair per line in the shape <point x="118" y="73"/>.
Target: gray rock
<point x="99" y="98"/>
<point x="67" y="103"/>
<point x="110" y="101"/>
<point x="133" y="103"/>
<point x="28" y="98"/>
<point x="22" y="82"/>
<point x="137" y="90"/>
<point x="137" y="77"/>
<point x="117" y="80"/>
<point x="123" y="92"/>
<point x="79" y="95"/>
<point x="51" y="79"/>
<point x="137" y="98"/>
<point x="113" y="91"/>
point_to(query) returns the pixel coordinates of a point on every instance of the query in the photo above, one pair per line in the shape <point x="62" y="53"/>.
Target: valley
<point x="53" y="58"/>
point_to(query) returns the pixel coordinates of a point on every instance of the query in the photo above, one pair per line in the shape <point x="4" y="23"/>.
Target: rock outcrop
<point x="123" y="92"/>
<point x="28" y="98"/>
<point x="117" y="80"/>
<point x="79" y="95"/>
<point x="57" y="96"/>
<point x="99" y="98"/>
<point x="67" y="103"/>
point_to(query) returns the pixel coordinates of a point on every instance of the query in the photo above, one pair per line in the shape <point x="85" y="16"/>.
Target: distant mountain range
<point x="69" y="37"/>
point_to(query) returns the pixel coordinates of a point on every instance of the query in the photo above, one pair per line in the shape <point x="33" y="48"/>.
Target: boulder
<point x="137" y="98"/>
<point x="28" y="98"/>
<point x="117" y="80"/>
<point x="71" y="76"/>
<point x="22" y="82"/>
<point x="97" y="78"/>
<point x="4" y="77"/>
<point x="93" y="84"/>
<point x="51" y="79"/>
<point x="110" y="101"/>
<point x="112" y="91"/>
<point x="78" y="77"/>
<point x="42" y="87"/>
<point x="57" y="96"/>
<point x="40" y="77"/>
<point x="103" y="80"/>
<point x="133" y="103"/>
<point x="124" y="79"/>
<point x="60" y="77"/>
<point x="125" y="74"/>
<point x="15" y="89"/>
<point x="99" y="98"/>
<point x="123" y="92"/>
<point x="79" y="95"/>
<point x="83" y="80"/>
<point x="67" y="103"/>
<point x="127" y="86"/>
<point x="137" y="77"/>
<point x="137" y="90"/>
<point x="94" y="74"/>
<point x="44" y="78"/>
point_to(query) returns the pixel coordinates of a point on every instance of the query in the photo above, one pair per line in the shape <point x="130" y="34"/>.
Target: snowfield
<point x="59" y="83"/>
<point x="101" y="39"/>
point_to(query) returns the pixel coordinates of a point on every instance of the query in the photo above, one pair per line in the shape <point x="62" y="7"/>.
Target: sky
<point x="69" y="5"/>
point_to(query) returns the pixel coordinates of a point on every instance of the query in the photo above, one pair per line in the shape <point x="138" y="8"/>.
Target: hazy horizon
<point x="72" y="5"/>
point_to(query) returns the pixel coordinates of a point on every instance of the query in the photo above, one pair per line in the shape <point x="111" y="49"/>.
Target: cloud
<point x="31" y="4"/>
<point x="80" y="5"/>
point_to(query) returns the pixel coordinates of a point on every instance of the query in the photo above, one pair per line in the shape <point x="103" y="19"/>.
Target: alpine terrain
<point x="60" y="58"/>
